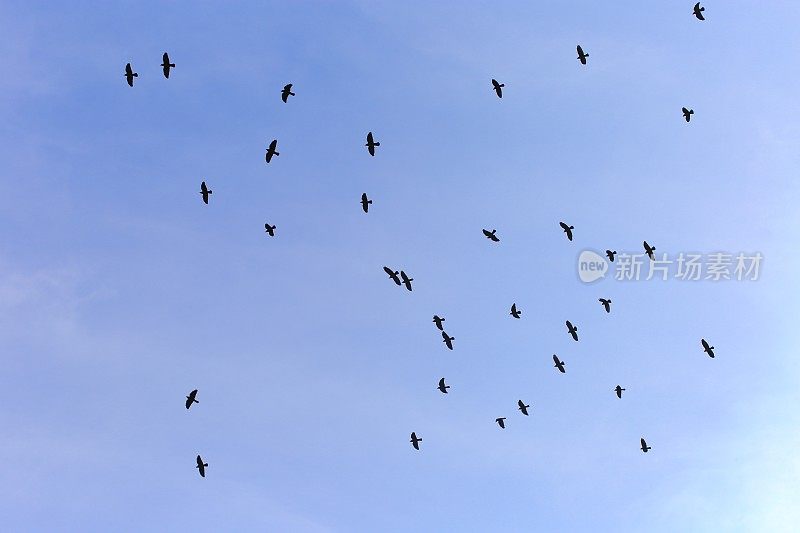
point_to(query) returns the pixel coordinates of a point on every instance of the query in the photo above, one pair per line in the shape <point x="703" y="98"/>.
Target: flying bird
<point x="522" y="407"/>
<point x="645" y="447"/>
<point x="498" y="87"/>
<point x="130" y="74"/>
<point x="271" y="151"/>
<point x="567" y="229"/>
<point x="166" y="65"/>
<point x="559" y="364"/>
<point x="406" y="280"/>
<point x="514" y="311"/>
<point x="581" y="56"/>
<point x="205" y="191"/>
<point x="286" y="92"/>
<point x="415" y="440"/>
<point x="706" y="348"/>
<point x="491" y="235"/>
<point x="611" y="255"/>
<point x="698" y="11"/>
<point x="687" y="113"/>
<point x="649" y="249"/>
<point x="438" y="321"/>
<point x="501" y="422"/>
<point x="270" y="229"/>
<point x="201" y="466"/>
<point x="448" y="341"/>
<point x="442" y="387"/>
<point x="573" y="330"/>
<point x="392" y="274"/>
<point x="606" y="304"/>
<point x="618" y="390"/>
<point x="191" y="398"/>
<point x="371" y="144"/>
<point x="365" y="202"/>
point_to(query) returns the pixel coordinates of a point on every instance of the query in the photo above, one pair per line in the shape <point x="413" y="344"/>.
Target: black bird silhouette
<point x="415" y="440"/>
<point x="522" y="407"/>
<point x="698" y="11"/>
<point x="581" y="56"/>
<point x="191" y="398"/>
<point x="645" y="447"/>
<point x="406" y="280"/>
<point x="271" y="151"/>
<point x="498" y="87"/>
<point x="448" y="341"/>
<point x="201" y="466"/>
<point x="491" y="235"/>
<point x="514" y="311"/>
<point x="706" y="348"/>
<point x="365" y="202"/>
<point x="687" y="113"/>
<point x="573" y="330"/>
<point x="442" y="387"/>
<point x="559" y="364"/>
<point x="270" y="229"/>
<point x="618" y="390"/>
<point x="130" y="74"/>
<point x="438" y="321"/>
<point x="501" y="422"/>
<point x="392" y="274"/>
<point x="611" y="255"/>
<point x="649" y="250"/>
<point x="567" y="229"/>
<point x="371" y="144"/>
<point x="606" y="304"/>
<point x="205" y="191"/>
<point x="286" y="92"/>
<point x="166" y="65"/>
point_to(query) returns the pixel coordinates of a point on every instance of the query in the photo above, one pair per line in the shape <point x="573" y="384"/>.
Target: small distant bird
<point x="271" y="151"/>
<point x="687" y="113"/>
<point x="205" y="191"/>
<point x="698" y="11"/>
<point x="166" y="65"/>
<point x="559" y="364"/>
<point x="491" y="235"/>
<point x="611" y="255"/>
<point x="130" y="74"/>
<point x="392" y="274"/>
<point x="567" y="229"/>
<point x="498" y="87"/>
<point x="201" y="466"/>
<point x="618" y="390"/>
<point x="448" y="341"/>
<point x="606" y="304"/>
<point x="514" y="311"/>
<point x="573" y="330"/>
<point x="286" y="92"/>
<point x="581" y="56"/>
<point x="706" y="348"/>
<point x="191" y="398"/>
<point x="645" y="447"/>
<point x="442" y="387"/>
<point x="371" y="144"/>
<point x="415" y="440"/>
<point x="406" y="280"/>
<point x="365" y="202"/>
<point x="501" y="422"/>
<point x="522" y="407"/>
<point x="438" y="321"/>
<point x="649" y="249"/>
<point x="270" y="229"/>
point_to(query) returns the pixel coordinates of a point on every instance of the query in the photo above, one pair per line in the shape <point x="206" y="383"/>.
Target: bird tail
<point x="377" y="144"/>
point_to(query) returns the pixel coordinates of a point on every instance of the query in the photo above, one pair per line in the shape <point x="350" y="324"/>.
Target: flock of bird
<point x="400" y="277"/>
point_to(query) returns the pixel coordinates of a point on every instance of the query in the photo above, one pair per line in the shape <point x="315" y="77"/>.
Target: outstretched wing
<point x="128" y="70"/>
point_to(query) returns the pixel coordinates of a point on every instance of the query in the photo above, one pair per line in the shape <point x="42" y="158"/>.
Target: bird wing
<point x="580" y="50"/>
<point x="563" y="226"/>
<point x="644" y="444"/>
<point x="128" y="70"/>
<point x="646" y="246"/>
<point x="369" y="138"/>
<point x="487" y="233"/>
<point x="284" y="96"/>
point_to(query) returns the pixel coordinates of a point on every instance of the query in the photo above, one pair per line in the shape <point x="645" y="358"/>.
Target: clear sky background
<point x="120" y="291"/>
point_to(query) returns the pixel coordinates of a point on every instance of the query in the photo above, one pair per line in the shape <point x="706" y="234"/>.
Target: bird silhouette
<point x="618" y="390"/>
<point x="406" y="280"/>
<point x="611" y="255"/>
<point x="448" y="341"/>
<point x="442" y="387"/>
<point x="371" y="144"/>
<point x="438" y="321"/>
<point x="606" y="304"/>
<point x="559" y="364"/>
<point x="270" y="229"/>
<point x="498" y="87"/>
<point x="645" y="447"/>
<point x="166" y="65"/>
<point x="649" y="250"/>
<point x="392" y="274"/>
<point x="205" y="191"/>
<point x="286" y="92"/>
<point x="130" y="74"/>
<point x="522" y="407"/>
<point x="191" y="398"/>
<point x="698" y="11"/>
<point x="706" y="348"/>
<point x="271" y="151"/>
<point x="567" y="229"/>
<point x="501" y="422"/>
<point x="514" y="311"/>
<point x="581" y="56"/>
<point x="687" y="113"/>
<point x="201" y="466"/>
<point x="491" y="235"/>
<point x="573" y="330"/>
<point x="415" y="440"/>
<point x="365" y="202"/>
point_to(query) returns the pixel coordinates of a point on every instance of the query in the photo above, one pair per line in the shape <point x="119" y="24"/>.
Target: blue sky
<point x="120" y="291"/>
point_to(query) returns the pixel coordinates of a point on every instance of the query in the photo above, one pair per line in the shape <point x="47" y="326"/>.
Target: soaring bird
<point x="687" y="113"/>
<point x="567" y="229"/>
<point x="371" y="144"/>
<point x="270" y="229"/>
<point x="498" y="87"/>
<point x="514" y="311"/>
<point x="448" y="341"/>
<point x="406" y="280"/>
<point x="166" y="65"/>
<point x="442" y="387"/>
<point x="706" y="348"/>
<point x="573" y="330"/>
<point x="365" y="202"/>
<point x="130" y="74"/>
<point x="698" y="11"/>
<point x="501" y="422"/>
<point x="201" y="466"/>
<point x="491" y="235"/>
<point x="618" y="390"/>
<point x="205" y="191"/>
<point x="271" y="151"/>
<point x="438" y="321"/>
<point x="611" y="255"/>
<point x="286" y="92"/>
<point x="415" y="440"/>
<point x="191" y="398"/>
<point x="645" y="447"/>
<point x="392" y="274"/>
<point x="559" y="364"/>
<point x="581" y="56"/>
<point x="606" y="304"/>
<point x="522" y="407"/>
<point x="649" y="250"/>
